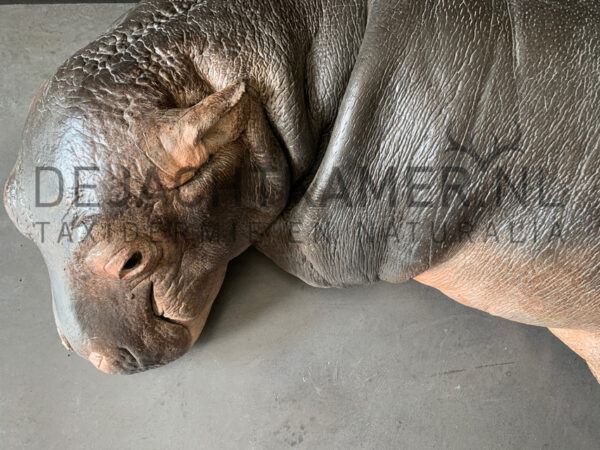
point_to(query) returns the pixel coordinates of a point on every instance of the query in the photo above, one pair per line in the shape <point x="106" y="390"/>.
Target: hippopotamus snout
<point x="116" y="314"/>
<point x="117" y="344"/>
<point x="122" y="361"/>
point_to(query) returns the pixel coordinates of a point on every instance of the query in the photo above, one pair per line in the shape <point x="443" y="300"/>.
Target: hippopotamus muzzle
<point x="114" y="317"/>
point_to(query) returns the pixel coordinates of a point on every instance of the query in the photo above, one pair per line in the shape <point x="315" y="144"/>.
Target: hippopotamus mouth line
<point x="160" y="315"/>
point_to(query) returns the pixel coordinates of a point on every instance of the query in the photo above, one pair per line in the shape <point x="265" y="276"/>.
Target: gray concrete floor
<point x="280" y="364"/>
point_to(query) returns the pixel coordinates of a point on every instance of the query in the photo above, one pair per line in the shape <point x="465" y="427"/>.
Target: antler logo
<point x="498" y="149"/>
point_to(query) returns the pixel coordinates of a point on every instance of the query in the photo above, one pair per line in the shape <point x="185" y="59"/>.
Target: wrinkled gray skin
<point x="365" y="91"/>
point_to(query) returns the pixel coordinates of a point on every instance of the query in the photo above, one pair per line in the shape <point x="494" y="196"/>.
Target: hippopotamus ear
<point x="188" y="137"/>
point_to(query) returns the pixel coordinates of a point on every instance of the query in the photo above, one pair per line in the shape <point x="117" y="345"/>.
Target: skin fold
<point x="351" y="142"/>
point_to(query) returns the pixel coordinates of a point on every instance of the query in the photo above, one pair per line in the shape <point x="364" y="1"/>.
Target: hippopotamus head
<point x="138" y="197"/>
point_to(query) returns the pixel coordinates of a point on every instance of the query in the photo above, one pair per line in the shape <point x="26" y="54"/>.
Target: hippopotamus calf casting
<point x="455" y="143"/>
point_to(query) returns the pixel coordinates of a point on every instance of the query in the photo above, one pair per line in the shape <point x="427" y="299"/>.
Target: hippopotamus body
<point x="452" y="142"/>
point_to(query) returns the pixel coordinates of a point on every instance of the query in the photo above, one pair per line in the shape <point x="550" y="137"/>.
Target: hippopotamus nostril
<point x="132" y="263"/>
<point x="123" y="361"/>
<point x="120" y="260"/>
<point x="126" y="263"/>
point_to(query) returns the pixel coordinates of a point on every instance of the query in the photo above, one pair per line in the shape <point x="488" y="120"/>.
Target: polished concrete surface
<point x="280" y="364"/>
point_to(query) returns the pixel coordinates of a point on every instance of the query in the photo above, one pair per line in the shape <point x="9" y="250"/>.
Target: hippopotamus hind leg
<point x="585" y="343"/>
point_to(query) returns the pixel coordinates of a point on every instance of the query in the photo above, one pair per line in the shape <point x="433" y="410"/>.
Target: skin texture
<point x="330" y="135"/>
